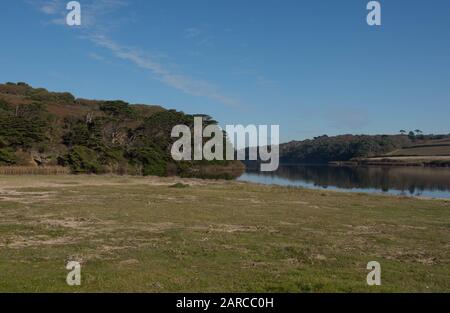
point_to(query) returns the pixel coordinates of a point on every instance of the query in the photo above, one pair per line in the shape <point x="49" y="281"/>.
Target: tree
<point x="402" y="131"/>
<point x="117" y="108"/>
<point x="418" y="131"/>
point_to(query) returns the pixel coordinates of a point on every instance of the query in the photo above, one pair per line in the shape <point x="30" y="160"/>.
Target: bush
<point x="83" y="160"/>
<point x="179" y="185"/>
<point x="22" y="131"/>
<point x="78" y="135"/>
<point x="64" y="97"/>
<point x="117" y="108"/>
<point x="4" y="107"/>
<point x="152" y="160"/>
<point x="41" y="94"/>
<point x="7" y="156"/>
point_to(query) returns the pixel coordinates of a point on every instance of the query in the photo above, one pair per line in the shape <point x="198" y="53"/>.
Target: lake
<point x="395" y="180"/>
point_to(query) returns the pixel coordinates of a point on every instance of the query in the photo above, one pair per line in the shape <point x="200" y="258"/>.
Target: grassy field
<point x="424" y="153"/>
<point x="412" y="159"/>
<point x="425" y="148"/>
<point x="170" y="235"/>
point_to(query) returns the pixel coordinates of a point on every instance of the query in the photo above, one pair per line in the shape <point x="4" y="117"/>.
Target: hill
<point x="362" y="148"/>
<point x="437" y="147"/>
<point x="39" y="128"/>
<point x="425" y="152"/>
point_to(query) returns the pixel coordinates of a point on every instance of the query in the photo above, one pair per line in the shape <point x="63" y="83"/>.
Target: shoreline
<point x="114" y="179"/>
<point x="139" y="234"/>
<point x="353" y="191"/>
<point x="408" y="161"/>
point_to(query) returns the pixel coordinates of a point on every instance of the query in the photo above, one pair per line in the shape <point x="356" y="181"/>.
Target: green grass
<point x="135" y="234"/>
<point x="179" y="185"/>
<point x="425" y="148"/>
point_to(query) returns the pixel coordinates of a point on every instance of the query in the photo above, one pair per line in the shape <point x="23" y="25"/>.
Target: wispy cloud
<point x="95" y="29"/>
<point x="92" y="11"/>
<point x="95" y="56"/>
<point x="178" y="81"/>
<point x="54" y="9"/>
<point x="259" y="79"/>
<point x="50" y="7"/>
<point x="199" y="36"/>
<point x="192" y="32"/>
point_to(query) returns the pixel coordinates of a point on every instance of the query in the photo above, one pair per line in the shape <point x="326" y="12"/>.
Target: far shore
<point x="428" y="161"/>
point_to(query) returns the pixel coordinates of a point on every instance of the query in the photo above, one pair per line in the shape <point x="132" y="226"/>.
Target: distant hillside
<point x="39" y="128"/>
<point x="423" y="152"/>
<point x="326" y="149"/>
<point x="436" y="147"/>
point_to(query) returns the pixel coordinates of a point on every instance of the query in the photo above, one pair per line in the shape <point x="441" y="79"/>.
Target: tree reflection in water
<point x="400" y="180"/>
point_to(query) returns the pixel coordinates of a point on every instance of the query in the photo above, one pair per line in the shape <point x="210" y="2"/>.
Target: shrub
<point x="117" y="108"/>
<point x="21" y="131"/>
<point x="153" y="160"/>
<point x="4" y="107"/>
<point x="179" y="185"/>
<point x="7" y="156"/>
<point x="83" y="160"/>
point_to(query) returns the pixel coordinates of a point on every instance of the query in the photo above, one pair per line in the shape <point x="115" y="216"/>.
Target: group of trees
<point x="325" y="149"/>
<point x="22" y="127"/>
<point x="412" y="134"/>
<point x="90" y="136"/>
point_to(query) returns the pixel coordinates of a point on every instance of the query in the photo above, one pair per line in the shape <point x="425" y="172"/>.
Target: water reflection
<point x="416" y="181"/>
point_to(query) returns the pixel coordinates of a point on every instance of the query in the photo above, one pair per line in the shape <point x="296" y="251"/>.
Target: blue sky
<point x="313" y="67"/>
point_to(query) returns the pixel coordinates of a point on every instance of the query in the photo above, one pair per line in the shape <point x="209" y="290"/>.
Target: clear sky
<point x="312" y="66"/>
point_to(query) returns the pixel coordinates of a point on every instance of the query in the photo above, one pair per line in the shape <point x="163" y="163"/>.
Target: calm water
<point x="408" y="181"/>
